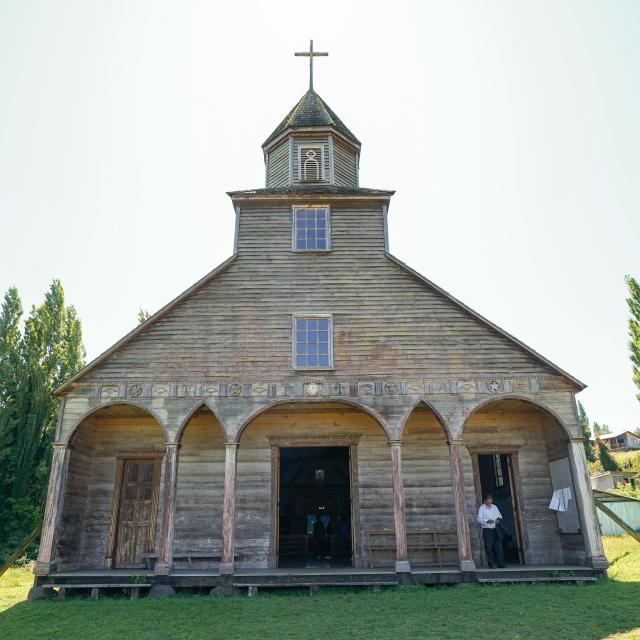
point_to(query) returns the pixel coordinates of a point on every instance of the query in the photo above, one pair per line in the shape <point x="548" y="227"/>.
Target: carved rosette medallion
<point x="235" y="389"/>
<point x="312" y="389"/>
<point x="135" y="391"/>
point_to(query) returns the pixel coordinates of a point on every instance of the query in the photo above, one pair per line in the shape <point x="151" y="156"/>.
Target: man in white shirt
<point x="488" y="516"/>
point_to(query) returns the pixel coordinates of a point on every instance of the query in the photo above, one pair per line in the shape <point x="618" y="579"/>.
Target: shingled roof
<point x="311" y="111"/>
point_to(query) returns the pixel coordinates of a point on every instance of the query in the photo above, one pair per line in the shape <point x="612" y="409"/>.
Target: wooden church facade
<point x="313" y="372"/>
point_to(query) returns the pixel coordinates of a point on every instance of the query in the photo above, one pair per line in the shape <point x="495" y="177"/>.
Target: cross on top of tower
<point x="311" y="54"/>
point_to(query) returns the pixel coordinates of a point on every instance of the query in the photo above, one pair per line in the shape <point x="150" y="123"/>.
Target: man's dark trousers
<point x="492" y="547"/>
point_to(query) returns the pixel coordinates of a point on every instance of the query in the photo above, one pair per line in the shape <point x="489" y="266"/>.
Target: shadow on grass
<point x="618" y="558"/>
<point x="506" y="611"/>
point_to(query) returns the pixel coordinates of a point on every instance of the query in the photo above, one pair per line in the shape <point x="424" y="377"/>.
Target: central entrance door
<point x="314" y="517"/>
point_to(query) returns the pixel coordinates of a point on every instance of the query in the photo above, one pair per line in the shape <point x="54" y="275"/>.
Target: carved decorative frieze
<point x="317" y="388"/>
<point x="109" y="392"/>
<point x="333" y="440"/>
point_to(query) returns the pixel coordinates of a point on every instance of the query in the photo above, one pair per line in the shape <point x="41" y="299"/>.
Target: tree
<point x="10" y="373"/>
<point x="143" y="315"/>
<point x="32" y="364"/>
<point x="606" y="459"/>
<point x="633" y="301"/>
<point x="586" y="432"/>
<point x="600" y="429"/>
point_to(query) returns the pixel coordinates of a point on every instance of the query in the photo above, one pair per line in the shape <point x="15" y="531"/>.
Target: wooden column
<point x="465" y="556"/>
<point x="584" y="502"/>
<point x="229" y="508"/>
<point x="46" y="563"/>
<point x="164" y="564"/>
<point x="402" y="558"/>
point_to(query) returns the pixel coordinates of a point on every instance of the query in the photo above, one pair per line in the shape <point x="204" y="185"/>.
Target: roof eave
<point x="269" y="144"/>
<point x="540" y="358"/>
<point x="64" y="388"/>
<point x="293" y="196"/>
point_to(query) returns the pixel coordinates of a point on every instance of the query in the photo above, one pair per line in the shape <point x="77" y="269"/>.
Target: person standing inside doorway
<point x="488" y="517"/>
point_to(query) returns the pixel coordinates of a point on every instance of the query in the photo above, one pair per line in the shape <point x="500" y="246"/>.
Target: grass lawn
<point x="609" y="609"/>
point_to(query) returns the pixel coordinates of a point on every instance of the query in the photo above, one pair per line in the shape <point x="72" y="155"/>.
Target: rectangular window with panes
<point x="311" y="229"/>
<point x="312" y="341"/>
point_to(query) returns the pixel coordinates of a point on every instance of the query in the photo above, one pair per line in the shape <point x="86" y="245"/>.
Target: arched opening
<point x="303" y="463"/>
<point x="518" y="452"/>
<point x="197" y="538"/>
<point x="113" y="491"/>
<point x="428" y="490"/>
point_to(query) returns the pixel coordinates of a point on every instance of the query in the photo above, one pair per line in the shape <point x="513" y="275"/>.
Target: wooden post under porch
<point x="46" y="562"/>
<point x="164" y="564"/>
<point x="465" y="556"/>
<point x="228" y="510"/>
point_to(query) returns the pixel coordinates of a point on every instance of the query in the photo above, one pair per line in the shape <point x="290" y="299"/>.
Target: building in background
<point x="621" y="440"/>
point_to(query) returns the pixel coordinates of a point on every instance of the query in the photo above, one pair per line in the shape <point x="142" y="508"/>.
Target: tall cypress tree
<point x="32" y="364"/>
<point x="10" y="376"/>
<point x="586" y="432"/>
<point x="606" y="459"/>
<point x="633" y="301"/>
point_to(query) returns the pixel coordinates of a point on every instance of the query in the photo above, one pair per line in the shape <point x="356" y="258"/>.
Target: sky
<point x="509" y="130"/>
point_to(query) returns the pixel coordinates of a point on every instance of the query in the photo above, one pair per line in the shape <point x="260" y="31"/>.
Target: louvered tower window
<point x="311" y="164"/>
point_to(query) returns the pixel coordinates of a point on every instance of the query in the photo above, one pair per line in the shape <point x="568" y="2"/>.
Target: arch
<point x="429" y="479"/>
<point x="436" y="413"/>
<point x="532" y="436"/>
<point x="132" y="403"/>
<point x="105" y="439"/>
<point x="192" y="412"/>
<point x="373" y="414"/>
<point x="523" y="398"/>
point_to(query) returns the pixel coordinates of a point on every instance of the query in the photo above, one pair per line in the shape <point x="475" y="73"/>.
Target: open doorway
<point x="496" y="477"/>
<point x="314" y="519"/>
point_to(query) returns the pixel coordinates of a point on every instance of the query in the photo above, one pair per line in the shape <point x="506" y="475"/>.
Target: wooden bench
<point x="189" y="556"/>
<point x="95" y="588"/>
<point x="150" y="558"/>
<point x="433" y="540"/>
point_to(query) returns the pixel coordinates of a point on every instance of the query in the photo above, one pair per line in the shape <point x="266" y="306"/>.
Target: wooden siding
<point x="278" y="166"/>
<point x="94" y="462"/>
<point x="253" y="496"/>
<point x="428" y="489"/>
<point x="555" y="440"/>
<point x="198" y="519"/>
<point x="429" y="501"/>
<point x="71" y="540"/>
<point x="322" y="142"/>
<point x="523" y="430"/>
<point x="386" y="322"/>
<point x="344" y="165"/>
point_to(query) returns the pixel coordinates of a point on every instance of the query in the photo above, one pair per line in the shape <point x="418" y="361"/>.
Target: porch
<point x="233" y="508"/>
<point x="141" y="582"/>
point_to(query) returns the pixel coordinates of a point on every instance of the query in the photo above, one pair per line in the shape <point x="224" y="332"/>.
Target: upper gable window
<point x="310" y="164"/>
<point x="312" y="342"/>
<point x="311" y="229"/>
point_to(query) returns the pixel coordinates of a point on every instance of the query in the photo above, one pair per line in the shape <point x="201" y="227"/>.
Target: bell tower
<point x="311" y="146"/>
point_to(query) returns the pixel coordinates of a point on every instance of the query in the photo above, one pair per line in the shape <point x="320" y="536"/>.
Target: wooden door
<point x="495" y="472"/>
<point x="137" y="510"/>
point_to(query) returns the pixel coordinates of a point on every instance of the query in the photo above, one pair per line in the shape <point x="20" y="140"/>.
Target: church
<point x="314" y="378"/>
